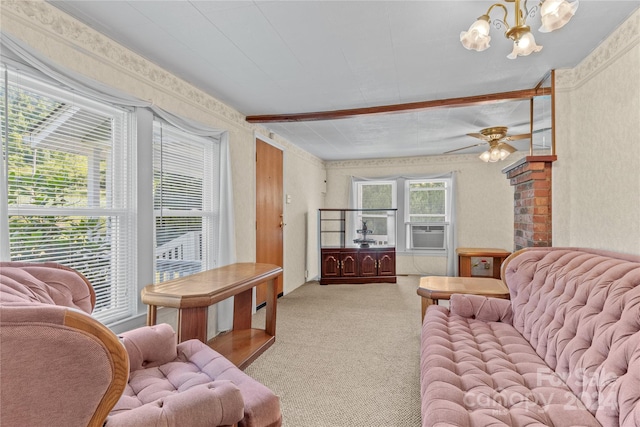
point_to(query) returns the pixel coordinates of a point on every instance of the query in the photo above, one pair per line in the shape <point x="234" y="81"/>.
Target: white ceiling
<point x="288" y="57"/>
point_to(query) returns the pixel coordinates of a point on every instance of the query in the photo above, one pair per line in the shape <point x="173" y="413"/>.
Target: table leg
<point x="242" y="308"/>
<point x="192" y="323"/>
<point x="152" y="311"/>
<point x="272" y="304"/>
<point x="426" y="302"/>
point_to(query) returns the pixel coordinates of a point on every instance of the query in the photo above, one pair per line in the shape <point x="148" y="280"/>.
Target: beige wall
<point x="596" y="179"/>
<point x="484" y="200"/>
<point x="83" y="50"/>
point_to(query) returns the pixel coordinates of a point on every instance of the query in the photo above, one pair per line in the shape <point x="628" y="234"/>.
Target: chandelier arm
<point x="506" y="13"/>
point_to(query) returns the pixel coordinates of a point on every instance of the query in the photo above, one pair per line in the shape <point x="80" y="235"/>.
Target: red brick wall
<point x="531" y="178"/>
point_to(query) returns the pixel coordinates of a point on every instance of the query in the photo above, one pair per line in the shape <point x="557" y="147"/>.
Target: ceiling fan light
<point x="524" y="45"/>
<point x="485" y="156"/>
<point x="504" y="154"/>
<point x="494" y="154"/>
<point x="556" y="14"/>
<point x="477" y="37"/>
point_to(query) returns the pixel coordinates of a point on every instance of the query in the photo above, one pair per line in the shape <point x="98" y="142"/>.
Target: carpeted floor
<point x="345" y="355"/>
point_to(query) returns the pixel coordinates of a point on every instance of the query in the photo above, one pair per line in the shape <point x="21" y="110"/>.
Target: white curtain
<point x="21" y="56"/>
<point x="452" y="264"/>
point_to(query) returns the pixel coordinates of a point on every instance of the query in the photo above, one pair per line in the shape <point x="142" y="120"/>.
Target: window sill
<point x="426" y="253"/>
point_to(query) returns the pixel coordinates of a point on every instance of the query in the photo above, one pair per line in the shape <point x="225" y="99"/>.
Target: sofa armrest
<point x="481" y="307"/>
<point x="150" y="346"/>
<point x="218" y="403"/>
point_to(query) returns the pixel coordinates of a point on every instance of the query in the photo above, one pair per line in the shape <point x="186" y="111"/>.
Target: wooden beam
<point x="398" y="108"/>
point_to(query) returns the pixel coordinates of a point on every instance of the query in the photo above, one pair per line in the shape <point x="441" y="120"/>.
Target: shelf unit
<point x="344" y="261"/>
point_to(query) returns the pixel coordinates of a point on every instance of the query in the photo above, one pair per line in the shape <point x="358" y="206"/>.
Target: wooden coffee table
<point x="434" y="288"/>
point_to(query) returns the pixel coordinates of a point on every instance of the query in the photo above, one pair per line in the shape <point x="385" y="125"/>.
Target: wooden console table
<point x="434" y="288"/>
<point x="192" y="295"/>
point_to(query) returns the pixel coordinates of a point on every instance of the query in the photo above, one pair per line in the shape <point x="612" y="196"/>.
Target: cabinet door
<point x="349" y="264"/>
<point x="330" y="264"/>
<point x="367" y="264"/>
<point x="387" y="263"/>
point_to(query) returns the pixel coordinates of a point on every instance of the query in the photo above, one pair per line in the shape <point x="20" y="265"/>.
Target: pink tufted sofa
<point x="61" y="367"/>
<point x="563" y="351"/>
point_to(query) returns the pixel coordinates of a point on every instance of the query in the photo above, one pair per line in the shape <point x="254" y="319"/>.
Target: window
<point x="376" y="195"/>
<point x="426" y="214"/>
<point x="185" y="186"/>
<point x="68" y="187"/>
<point x="424" y="205"/>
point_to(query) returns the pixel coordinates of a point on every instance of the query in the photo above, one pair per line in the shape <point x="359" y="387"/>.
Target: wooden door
<point x="269" y="211"/>
<point x="367" y="262"/>
<point x="349" y="264"/>
<point x="387" y="263"/>
<point x="330" y="264"/>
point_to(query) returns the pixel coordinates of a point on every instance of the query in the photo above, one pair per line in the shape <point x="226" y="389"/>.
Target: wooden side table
<point x="434" y="288"/>
<point x="464" y="260"/>
<point x="192" y="295"/>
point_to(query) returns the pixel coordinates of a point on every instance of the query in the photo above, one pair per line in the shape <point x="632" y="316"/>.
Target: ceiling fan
<point x="497" y="139"/>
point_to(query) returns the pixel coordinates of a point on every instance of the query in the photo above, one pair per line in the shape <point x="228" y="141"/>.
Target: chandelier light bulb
<point x="477" y="38"/>
<point x="555" y="14"/>
<point x="524" y="46"/>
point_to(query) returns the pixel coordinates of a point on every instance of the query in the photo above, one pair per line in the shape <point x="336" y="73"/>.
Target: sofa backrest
<point x="60" y="366"/>
<point x="48" y="283"/>
<point x="580" y="310"/>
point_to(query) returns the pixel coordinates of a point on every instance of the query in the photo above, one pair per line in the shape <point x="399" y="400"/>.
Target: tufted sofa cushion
<point x="567" y="353"/>
<point x="197" y="366"/>
<point x="477" y="373"/>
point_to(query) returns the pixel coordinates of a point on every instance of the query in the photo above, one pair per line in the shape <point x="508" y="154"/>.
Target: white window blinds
<point x="186" y="198"/>
<point x="68" y="186"/>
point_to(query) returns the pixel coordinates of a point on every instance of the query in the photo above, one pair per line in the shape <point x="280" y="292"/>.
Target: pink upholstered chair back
<point x="580" y="310"/>
<point x="60" y="367"/>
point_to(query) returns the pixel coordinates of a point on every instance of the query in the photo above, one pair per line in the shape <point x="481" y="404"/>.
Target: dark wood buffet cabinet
<point x="342" y="262"/>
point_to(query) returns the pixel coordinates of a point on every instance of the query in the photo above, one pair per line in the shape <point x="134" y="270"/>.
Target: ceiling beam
<point x="398" y="108"/>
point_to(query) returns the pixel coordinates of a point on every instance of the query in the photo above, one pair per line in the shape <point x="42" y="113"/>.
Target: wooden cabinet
<point x="349" y="256"/>
<point x="336" y="264"/>
<point x="380" y="262"/>
<point x="370" y="265"/>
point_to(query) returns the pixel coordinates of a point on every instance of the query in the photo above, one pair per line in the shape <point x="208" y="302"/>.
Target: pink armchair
<point x="60" y="366"/>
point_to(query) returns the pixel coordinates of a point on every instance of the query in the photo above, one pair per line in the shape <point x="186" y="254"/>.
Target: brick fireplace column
<point x="531" y="177"/>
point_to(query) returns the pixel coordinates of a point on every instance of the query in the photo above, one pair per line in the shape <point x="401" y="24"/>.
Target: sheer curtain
<point x="452" y="264"/>
<point x="19" y="55"/>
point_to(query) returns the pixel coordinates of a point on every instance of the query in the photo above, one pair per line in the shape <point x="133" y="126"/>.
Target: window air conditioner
<point x="427" y="237"/>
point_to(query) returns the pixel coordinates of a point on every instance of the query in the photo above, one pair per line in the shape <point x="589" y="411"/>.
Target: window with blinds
<point x="68" y="187"/>
<point x="185" y="195"/>
<point x="427" y="213"/>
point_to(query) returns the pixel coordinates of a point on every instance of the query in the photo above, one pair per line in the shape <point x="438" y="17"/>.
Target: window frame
<point x="116" y="209"/>
<point x="209" y="194"/>
<point x="445" y="223"/>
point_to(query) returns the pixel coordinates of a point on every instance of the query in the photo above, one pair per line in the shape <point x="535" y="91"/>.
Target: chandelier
<point x="554" y="14"/>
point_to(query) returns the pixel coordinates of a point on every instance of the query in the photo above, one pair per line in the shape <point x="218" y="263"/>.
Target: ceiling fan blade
<point x="463" y="148"/>
<point x="505" y="146"/>
<point x="541" y="130"/>
<point x="479" y="136"/>
<point x="517" y="137"/>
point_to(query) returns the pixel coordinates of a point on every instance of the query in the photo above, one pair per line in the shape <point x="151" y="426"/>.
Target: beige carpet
<point x="345" y="355"/>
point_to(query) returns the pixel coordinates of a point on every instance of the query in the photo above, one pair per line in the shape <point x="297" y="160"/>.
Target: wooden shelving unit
<point x="343" y="261"/>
